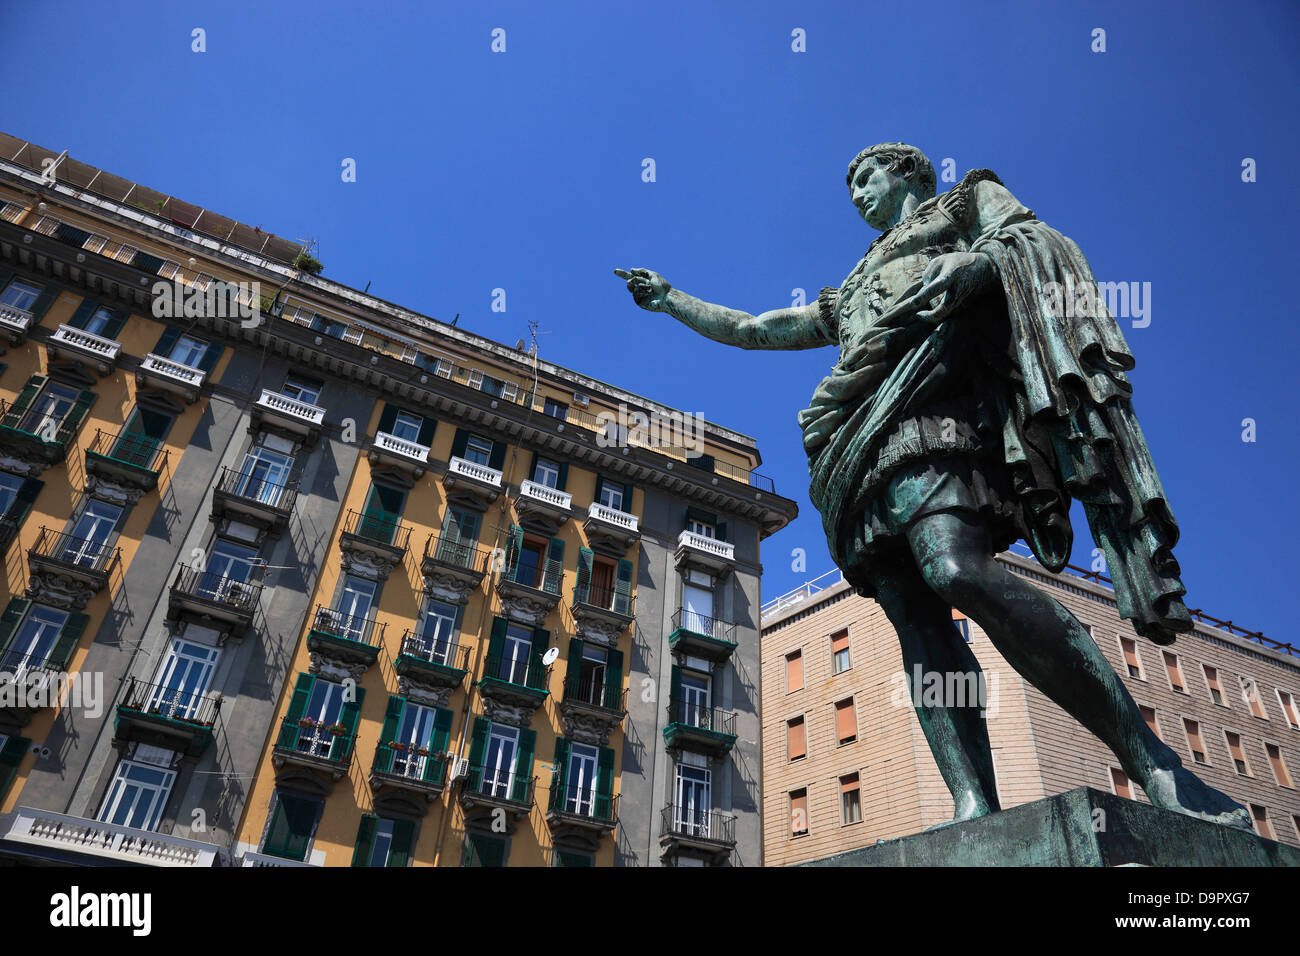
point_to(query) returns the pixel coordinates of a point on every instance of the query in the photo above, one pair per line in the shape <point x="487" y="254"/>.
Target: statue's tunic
<point x="1006" y="408"/>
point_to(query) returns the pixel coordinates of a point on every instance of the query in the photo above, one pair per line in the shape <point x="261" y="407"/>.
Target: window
<point x="20" y="295"/>
<point x="34" y="639"/>
<point x="796" y="739"/>
<point x="533" y="561"/>
<point x="1212" y="681"/>
<point x="516" y="651"/>
<point x="382" y="842"/>
<point x="438" y="632"/>
<point x="138" y="442"/>
<point x="1275" y="760"/>
<point x="230" y="567"/>
<point x="793" y="671"/>
<point x="484" y="850"/>
<point x="499" y="760"/>
<point x="592" y="673"/>
<point x="478" y="450"/>
<point x="102" y="321"/>
<point x="183" y="678"/>
<point x="302" y="389"/>
<point x="1175" y="672"/>
<point x="1149" y="715"/>
<point x="615" y="496"/>
<point x="14" y="504"/>
<point x="416" y="731"/>
<point x="352" y="611"/>
<point x="580" y="778"/>
<point x="88" y="542"/>
<point x="1287" y="701"/>
<point x="570" y="858"/>
<point x="696" y="699"/>
<point x="798" y="813"/>
<point x="693" y="804"/>
<point x="704" y="530"/>
<point x="555" y="409"/>
<point x="264" y="475"/>
<point x="136" y="796"/>
<point x="697" y="609"/>
<point x="407" y="426"/>
<point x="1119" y="783"/>
<point x="459" y="533"/>
<point x="47" y="411"/>
<point x="188" y="351"/>
<point x="1238" y="755"/>
<point x="963" y="626"/>
<point x="382" y="514"/>
<point x="290" y="827"/>
<point x="840" y="652"/>
<point x="850" y="800"/>
<point x="1259" y="816"/>
<point x="546" y="472"/>
<point x="1131" y="658"/>
<point x="846" y="721"/>
<point x="1250" y="694"/>
<point x="71" y="234"/>
<point x="324" y="709"/>
<point x="1194" y="741"/>
<point x="492" y="386"/>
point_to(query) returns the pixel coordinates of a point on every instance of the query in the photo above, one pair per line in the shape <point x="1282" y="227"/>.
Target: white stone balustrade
<point x="402" y="447"/>
<point x="472" y="470"/>
<point x="87" y="343"/>
<point x="284" y="405"/>
<point x="106" y="840"/>
<point x="719" y="549"/>
<point x="546" y="494"/>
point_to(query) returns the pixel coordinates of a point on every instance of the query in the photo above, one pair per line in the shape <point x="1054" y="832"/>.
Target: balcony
<point x="479" y="483"/>
<point x="452" y="568"/>
<point x="57" y="837"/>
<point x="163" y="716"/>
<point x="265" y="859"/>
<point x="543" y="508"/>
<point x="32" y="435"/>
<point x="578" y="816"/>
<point x="699" y="635"/>
<point x="591" y="709"/>
<point x="14" y="323"/>
<point x="213" y="600"/>
<point x="68" y="571"/>
<point x="487" y="789"/>
<point x="373" y="545"/>
<point x="249" y="497"/>
<point x="131" y="462"/>
<point x="611" y="530"/>
<point x="530" y="590"/>
<point x="708" y="833"/>
<point x="699" y="729"/>
<point x="434" y="667"/>
<point x="284" y="414"/>
<point x="601" y="613"/>
<point x="29" y="685"/>
<point x="85" y="347"/>
<point x="162" y="373"/>
<point x="513" y="688"/>
<point x="696" y="550"/>
<point x="312" y="755"/>
<point x="408" y="456"/>
<point x="404" y="771"/>
<point x="347" y="640"/>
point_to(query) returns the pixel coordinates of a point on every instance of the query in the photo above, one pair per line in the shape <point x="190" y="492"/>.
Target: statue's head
<point x="881" y="177"/>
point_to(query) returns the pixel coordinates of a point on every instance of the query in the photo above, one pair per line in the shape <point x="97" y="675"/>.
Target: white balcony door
<point x="416" y="731"/>
<point x="136" y="796"/>
<point x="695" y="700"/>
<point x="48" y="411"/>
<point x="188" y="351"/>
<point x="698" y="603"/>
<point x="230" y="566"/>
<point x="499" y="760"/>
<point x="264" y="475"/>
<point x="183" y="678"/>
<point x="580" y="780"/>
<point x="34" y="640"/>
<point x="91" y="533"/>
<point x="407" y="427"/>
<point x="439" y="629"/>
<point x="693" y="800"/>
<point x="325" y="706"/>
<point x="354" y="606"/>
<point x="515" y="654"/>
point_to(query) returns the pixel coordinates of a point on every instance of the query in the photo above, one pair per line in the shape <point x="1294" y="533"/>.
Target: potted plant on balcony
<point x="422" y="751"/>
<point x="307" y="263"/>
<point x="337" y="729"/>
<point x="306" y="723"/>
<point x="398" y="746"/>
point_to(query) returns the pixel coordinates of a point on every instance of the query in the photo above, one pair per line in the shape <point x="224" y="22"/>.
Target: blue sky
<point x="522" y="170"/>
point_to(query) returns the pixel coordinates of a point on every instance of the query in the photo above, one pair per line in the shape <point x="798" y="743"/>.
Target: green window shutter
<point x="532" y="467"/>
<point x="76" y="415"/>
<point x="484" y="850"/>
<point x="84" y="311"/>
<point x="600" y="486"/>
<point x="297" y="707"/>
<point x="564" y="476"/>
<point x="498" y="456"/>
<point x="291" y="824"/>
<point x="721" y="531"/>
<point x="613" y="678"/>
<point x="605" y="783"/>
<point x="561" y="768"/>
<point x="458" y="443"/>
<point x="427" y="427"/>
<point x="403" y="838"/>
<point x="586" y="558"/>
<point x="536" y="669"/>
<point x="514" y="544"/>
<point x="392" y="720"/>
<point x="573" y="667"/>
<point x="442" y="717"/>
<point x="69" y="637"/>
<point x="554" y="567"/>
<point x="627" y="499"/>
<point x="623" y="587"/>
<point x="365" y="841"/>
<point x="706" y="517"/>
<point x="168" y="341"/>
<point x="478" y="744"/>
<point x="116" y="323"/>
<point x="10" y="757"/>
<point x="675" y="696"/>
<point x="566" y="858"/>
<point x="497" y="641"/>
<point x="210" y="356"/>
<point x="4" y="278"/>
<point x="43" y="302"/>
<point x="341" y="747"/>
<point x="21" y="506"/>
<point x="388" y="418"/>
<point x="524" y="765"/>
<point x="23" y="402"/>
<point x="13" y="615"/>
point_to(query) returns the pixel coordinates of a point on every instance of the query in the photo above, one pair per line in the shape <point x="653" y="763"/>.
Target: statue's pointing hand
<point x="649" y="289"/>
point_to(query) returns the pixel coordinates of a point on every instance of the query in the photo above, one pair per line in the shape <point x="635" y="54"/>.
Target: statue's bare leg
<point x="957" y="735"/>
<point x="1052" y="650"/>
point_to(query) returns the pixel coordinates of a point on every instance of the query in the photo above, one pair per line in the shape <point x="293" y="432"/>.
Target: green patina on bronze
<point x="979" y="389"/>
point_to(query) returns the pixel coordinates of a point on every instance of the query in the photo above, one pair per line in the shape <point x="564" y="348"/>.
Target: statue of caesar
<point x="980" y="387"/>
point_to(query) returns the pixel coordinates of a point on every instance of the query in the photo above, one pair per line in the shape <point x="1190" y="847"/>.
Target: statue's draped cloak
<point x="1047" y="395"/>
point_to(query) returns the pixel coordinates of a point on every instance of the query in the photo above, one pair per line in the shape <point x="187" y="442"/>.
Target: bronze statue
<point x="970" y="403"/>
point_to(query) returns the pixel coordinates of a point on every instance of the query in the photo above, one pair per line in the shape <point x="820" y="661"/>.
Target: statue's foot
<point x="1177" y="788"/>
<point x="969" y="807"/>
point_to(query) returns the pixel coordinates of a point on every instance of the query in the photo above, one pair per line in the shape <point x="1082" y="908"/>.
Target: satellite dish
<point x="549" y="657"/>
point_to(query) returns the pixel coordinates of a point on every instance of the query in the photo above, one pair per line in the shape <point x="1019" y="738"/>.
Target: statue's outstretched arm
<point x="797" y="327"/>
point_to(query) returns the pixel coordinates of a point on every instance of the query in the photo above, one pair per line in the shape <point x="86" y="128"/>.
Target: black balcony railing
<point x="362" y="630"/>
<point x="129" y="448"/>
<point x="586" y="689"/>
<point x="576" y="801"/>
<point x="699" y="824"/>
<point x="692" y="714"/>
<point x="18" y="663"/>
<point x="412" y="762"/>
<point x="521" y="671"/>
<point x="172" y="703"/>
<point x="251" y="486"/>
<point x="237" y="594"/>
<point x="68" y="549"/>
<point x="704" y="625"/>
<point x="501" y="784"/>
<point x="543" y="576"/>
<point x="456" y="552"/>
<point x="29" y="421"/>
<point x="316" y="738"/>
<point x="435" y="651"/>
<point x="378" y="528"/>
<point x="605" y="598"/>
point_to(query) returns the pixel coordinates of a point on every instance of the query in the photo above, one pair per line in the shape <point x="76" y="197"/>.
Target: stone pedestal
<point x="1082" y="827"/>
